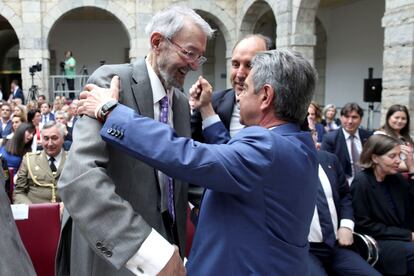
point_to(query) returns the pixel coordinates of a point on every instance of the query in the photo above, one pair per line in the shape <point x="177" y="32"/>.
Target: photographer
<point x="70" y="73"/>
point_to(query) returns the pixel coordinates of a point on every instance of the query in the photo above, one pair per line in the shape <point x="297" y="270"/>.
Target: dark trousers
<point x="71" y="87"/>
<point x="324" y="260"/>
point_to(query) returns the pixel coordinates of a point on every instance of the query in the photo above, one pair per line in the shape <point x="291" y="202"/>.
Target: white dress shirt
<point x="315" y="233"/>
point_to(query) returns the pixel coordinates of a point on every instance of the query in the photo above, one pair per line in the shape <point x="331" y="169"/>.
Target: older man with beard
<point x="125" y="214"/>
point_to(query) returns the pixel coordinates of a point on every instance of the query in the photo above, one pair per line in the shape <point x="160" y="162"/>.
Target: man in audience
<point x="346" y="142"/>
<point x="46" y="114"/>
<point x="123" y="210"/>
<point x="6" y="123"/>
<point x="14" y="258"/>
<point x="332" y="224"/>
<point x="73" y="111"/>
<point x="253" y="220"/>
<point x="41" y="99"/>
<point x="62" y="118"/>
<point x="40" y="171"/>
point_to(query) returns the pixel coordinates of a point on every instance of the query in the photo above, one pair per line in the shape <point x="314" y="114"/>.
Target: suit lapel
<point x="225" y="107"/>
<point x="141" y="90"/>
<point x="342" y="141"/>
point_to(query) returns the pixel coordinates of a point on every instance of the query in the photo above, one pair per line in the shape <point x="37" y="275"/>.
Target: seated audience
<point x="5" y="122"/>
<point x="20" y="110"/>
<point x="34" y="117"/>
<point x="329" y="121"/>
<point x="332" y="226"/>
<point x="346" y="142"/>
<point x="14" y="149"/>
<point x="62" y="118"/>
<point x="383" y="202"/>
<point x="40" y="171"/>
<point x="314" y="118"/>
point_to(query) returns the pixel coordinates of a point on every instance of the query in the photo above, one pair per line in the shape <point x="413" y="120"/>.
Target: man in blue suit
<point x="5" y="122"/>
<point x="16" y="91"/>
<point x="346" y="142"/>
<point x="261" y="187"/>
<point x="224" y="102"/>
<point x="333" y="224"/>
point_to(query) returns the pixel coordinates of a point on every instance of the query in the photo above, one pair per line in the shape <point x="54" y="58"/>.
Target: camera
<point x="35" y="68"/>
<point x="62" y="65"/>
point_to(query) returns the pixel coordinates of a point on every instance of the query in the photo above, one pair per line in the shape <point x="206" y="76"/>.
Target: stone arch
<point x="252" y="12"/>
<point x="220" y="17"/>
<point x="13" y="19"/>
<point x="303" y="16"/>
<point x="58" y="11"/>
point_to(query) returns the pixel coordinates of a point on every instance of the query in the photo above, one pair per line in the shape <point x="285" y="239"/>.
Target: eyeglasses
<point x="189" y="55"/>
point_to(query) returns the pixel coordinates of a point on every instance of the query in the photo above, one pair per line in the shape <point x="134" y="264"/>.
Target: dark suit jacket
<point x="114" y="199"/>
<point x="335" y="143"/>
<point x="253" y="221"/>
<point x="339" y="185"/>
<point x="374" y="216"/>
<point x="223" y="103"/>
<point x="19" y="94"/>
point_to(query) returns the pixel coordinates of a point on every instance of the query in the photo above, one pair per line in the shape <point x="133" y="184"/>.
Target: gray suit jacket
<point x="14" y="259"/>
<point x="113" y="199"/>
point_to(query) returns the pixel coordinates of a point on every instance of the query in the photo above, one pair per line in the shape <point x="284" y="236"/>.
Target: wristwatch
<point x="106" y="108"/>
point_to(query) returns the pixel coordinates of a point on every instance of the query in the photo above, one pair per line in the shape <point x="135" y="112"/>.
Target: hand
<point x="95" y="97"/>
<point x="174" y="266"/>
<point x="345" y="237"/>
<point x="412" y="236"/>
<point x="407" y="150"/>
<point x="200" y="94"/>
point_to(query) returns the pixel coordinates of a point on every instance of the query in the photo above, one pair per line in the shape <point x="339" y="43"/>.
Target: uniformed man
<point x="40" y="171"/>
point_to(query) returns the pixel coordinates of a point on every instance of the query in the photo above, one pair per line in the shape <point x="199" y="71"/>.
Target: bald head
<point x="243" y="53"/>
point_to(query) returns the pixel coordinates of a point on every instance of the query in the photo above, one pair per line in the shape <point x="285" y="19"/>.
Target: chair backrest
<point x="367" y="247"/>
<point x="40" y="235"/>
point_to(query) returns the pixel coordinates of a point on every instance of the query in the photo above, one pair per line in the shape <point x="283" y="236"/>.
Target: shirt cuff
<point x="347" y="223"/>
<point x="210" y="121"/>
<point x="152" y="256"/>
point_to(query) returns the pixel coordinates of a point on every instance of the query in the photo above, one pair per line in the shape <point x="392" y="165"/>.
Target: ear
<point x="374" y="159"/>
<point x="267" y="97"/>
<point x="155" y="41"/>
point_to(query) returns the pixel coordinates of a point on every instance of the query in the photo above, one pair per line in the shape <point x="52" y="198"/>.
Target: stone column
<point x="143" y="14"/>
<point x="31" y="49"/>
<point x="397" y="77"/>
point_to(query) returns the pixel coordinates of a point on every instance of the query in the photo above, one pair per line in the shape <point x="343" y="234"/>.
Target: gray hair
<point x="327" y="107"/>
<point x="51" y="124"/>
<point x="292" y="78"/>
<point x="171" y="20"/>
<point x="65" y="114"/>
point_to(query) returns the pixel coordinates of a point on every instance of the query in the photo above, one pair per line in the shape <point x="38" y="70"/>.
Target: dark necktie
<point x="52" y="164"/>
<point x="355" y="156"/>
<point x="325" y="220"/>
<point x="168" y="180"/>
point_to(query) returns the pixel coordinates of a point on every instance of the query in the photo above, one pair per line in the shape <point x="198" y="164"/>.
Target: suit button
<point x="140" y="270"/>
<point x="117" y="133"/>
<point x="99" y="245"/>
<point x="104" y="249"/>
<point x="109" y="130"/>
<point x="108" y="254"/>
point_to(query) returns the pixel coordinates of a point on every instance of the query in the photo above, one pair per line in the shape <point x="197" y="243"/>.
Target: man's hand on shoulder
<point x="174" y="266"/>
<point x="94" y="97"/>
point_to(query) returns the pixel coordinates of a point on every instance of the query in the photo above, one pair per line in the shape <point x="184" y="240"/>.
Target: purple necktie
<point x="168" y="180"/>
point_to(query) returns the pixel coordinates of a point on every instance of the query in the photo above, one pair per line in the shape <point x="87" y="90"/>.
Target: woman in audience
<point x="14" y="149"/>
<point x="329" y="121"/>
<point x="383" y="202"/>
<point x="314" y="118"/>
<point x="397" y="124"/>
<point x="34" y="117"/>
<point x="20" y="110"/>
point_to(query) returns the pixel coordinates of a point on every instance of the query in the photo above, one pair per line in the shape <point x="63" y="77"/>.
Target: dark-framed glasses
<point x="189" y="55"/>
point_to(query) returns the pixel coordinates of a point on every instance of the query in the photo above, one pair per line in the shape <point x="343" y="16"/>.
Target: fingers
<point x="114" y="88"/>
<point x="90" y="87"/>
<point x="205" y="85"/>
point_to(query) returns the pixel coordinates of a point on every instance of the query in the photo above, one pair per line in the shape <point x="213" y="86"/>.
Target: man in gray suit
<point x="123" y="220"/>
<point x="14" y="259"/>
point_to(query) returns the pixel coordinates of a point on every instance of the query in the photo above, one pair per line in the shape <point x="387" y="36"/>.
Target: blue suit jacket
<point x="19" y="94"/>
<point x="335" y="143"/>
<point x="223" y="103"/>
<point x="7" y="130"/>
<point x="340" y="187"/>
<point x="261" y="191"/>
